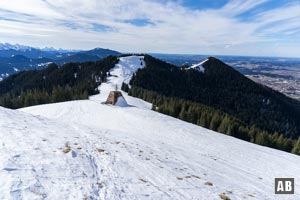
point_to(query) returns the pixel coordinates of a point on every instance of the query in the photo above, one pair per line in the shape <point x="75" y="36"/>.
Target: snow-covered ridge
<point x="199" y="66"/>
<point x="18" y="47"/>
<point x="122" y="72"/>
<point x="126" y="67"/>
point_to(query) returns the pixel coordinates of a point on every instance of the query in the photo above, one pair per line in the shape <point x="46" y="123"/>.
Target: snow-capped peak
<point x="199" y="66"/>
<point x="17" y="47"/>
<point x="49" y="49"/>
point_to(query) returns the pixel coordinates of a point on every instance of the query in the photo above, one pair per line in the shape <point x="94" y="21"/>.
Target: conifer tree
<point x="224" y="125"/>
<point x="296" y="148"/>
<point x="215" y="122"/>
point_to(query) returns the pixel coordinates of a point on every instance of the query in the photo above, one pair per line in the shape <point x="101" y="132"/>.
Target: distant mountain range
<point x="14" y="58"/>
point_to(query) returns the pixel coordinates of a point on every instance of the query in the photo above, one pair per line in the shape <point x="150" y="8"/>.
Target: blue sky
<point x="223" y="27"/>
<point x="204" y="4"/>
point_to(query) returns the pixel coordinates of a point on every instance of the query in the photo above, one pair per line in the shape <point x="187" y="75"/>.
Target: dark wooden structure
<point x="113" y="97"/>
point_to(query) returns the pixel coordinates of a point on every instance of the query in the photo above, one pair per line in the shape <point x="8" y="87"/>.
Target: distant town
<point x="289" y="87"/>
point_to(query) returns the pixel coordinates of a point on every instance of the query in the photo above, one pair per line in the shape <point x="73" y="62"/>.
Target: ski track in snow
<point x="87" y="150"/>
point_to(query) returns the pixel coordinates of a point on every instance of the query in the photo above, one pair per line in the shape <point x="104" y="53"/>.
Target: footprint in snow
<point x="9" y="169"/>
<point x="74" y="154"/>
<point x="198" y="177"/>
<point x="144" y="181"/>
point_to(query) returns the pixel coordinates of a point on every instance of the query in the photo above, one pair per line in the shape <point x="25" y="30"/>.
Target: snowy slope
<point x="199" y="66"/>
<point x="32" y="162"/>
<point x="129" y="153"/>
<point x="148" y="146"/>
<point x="122" y="72"/>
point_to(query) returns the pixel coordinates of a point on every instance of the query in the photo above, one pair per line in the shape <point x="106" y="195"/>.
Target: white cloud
<point x="30" y="7"/>
<point x="174" y="29"/>
<point x="236" y="7"/>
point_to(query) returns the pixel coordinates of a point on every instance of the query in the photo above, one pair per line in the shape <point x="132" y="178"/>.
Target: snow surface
<point x="121" y="102"/>
<point x="114" y="152"/>
<point x="122" y="72"/>
<point x="199" y="66"/>
<point x="16" y="69"/>
<point x="44" y="64"/>
<point x="18" y="47"/>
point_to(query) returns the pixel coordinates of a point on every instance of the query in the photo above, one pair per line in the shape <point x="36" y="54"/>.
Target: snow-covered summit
<point x="18" y="47"/>
<point x="52" y="49"/>
<point x="199" y="66"/>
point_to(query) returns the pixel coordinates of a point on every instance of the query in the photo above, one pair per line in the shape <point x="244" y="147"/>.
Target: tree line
<point x="214" y="119"/>
<point x="72" y="81"/>
<point x="225" y="89"/>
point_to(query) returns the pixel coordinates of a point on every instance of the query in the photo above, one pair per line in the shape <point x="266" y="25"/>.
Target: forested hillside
<point x="221" y="99"/>
<point x="54" y="84"/>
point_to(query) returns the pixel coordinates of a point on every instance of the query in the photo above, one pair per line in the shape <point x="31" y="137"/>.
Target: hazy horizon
<point x="226" y="27"/>
<point x="151" y="53"/>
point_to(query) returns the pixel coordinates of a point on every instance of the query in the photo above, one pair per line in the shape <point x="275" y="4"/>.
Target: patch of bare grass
<point x="67" y="150"/>
<point x="224" y="197"/>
